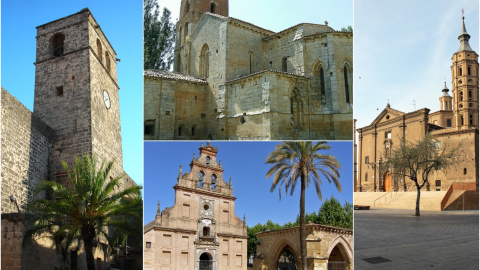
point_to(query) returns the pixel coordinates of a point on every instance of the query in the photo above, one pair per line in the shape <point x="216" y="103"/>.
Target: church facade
<point x="235" y="80"/>
<point x="76" y="112"/>
<point x="456" y="123"/>
<point x="201" y="231"/>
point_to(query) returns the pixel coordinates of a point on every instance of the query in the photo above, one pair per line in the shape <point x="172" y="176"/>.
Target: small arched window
<point x="366" y="177"/>
<point x="347" y="86"/>
<point x="322" y="82"/>
<point x="99" y="50"/>
<point x="212" y="7"/>
<point x="58" y="44"/>
<point x="187" y="8"/>
<point x="461" y="96"/>
<point x="107" y="62"/>
<point x="465" y="171"/>
<point x="206" y="231"/>
<point x="449" y="123"/>
<point x="214" y="182"/>
<point x="201" y="177"/>
<point x="204" y="62"/>
<point x="149" y="129"/>
<point x="181" y="130"/>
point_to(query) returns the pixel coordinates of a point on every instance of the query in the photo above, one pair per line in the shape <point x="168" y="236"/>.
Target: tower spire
<point x="464" y="37"/>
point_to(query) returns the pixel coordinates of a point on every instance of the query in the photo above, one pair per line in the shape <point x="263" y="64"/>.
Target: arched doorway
<point x="205" y="262"/>
<point x="387" y="181"/>
<point x="286" y="260"/>
<point x="336" y="261"/>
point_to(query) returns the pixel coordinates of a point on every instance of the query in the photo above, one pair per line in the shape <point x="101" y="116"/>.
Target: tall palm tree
<point x="299" y="160"/>
<point x="91" y="207"/>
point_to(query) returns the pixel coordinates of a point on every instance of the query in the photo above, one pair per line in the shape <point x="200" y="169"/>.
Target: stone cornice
<point x="204" y="192"/>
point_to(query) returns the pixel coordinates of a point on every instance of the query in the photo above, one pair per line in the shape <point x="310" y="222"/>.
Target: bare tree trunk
<point x="303" y="243"/>
<point x="417" y="207"/>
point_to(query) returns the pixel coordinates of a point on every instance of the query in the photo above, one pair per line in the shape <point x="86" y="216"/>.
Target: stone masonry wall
<point x="68" y="113"/>
<point x="26" y="146"/>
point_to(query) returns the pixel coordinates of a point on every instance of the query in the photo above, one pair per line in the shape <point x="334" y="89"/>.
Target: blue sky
<point x="277" y="15"/>
<point x="122" y="24"/>
<point x="402" y="52"/>
<point x="244" y="163"/>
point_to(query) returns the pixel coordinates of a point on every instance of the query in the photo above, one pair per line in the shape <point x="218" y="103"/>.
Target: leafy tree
<point x="295" y="161"/>
<point x="334" y="214"/>
<point x="253" y="239"/>
<point x="418" y="161"/>
<point x="347" y="29"/>
<point x="91" y="208"/>
<point x="158" y="37"/>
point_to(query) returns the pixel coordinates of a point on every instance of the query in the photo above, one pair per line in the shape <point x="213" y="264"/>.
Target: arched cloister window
<point x="286" y="260"/>
<point x="99" y="50"/>
<point x="201" y="177"/>
<point x="213" y="182"/>
<point x="57" y="44"/>
<point x="204" y="62"/>
<point x="336" y="260"/>
<point x="347" y="85"/>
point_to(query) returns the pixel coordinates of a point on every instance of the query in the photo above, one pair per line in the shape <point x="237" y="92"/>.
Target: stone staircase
<point x="429" y="200"/>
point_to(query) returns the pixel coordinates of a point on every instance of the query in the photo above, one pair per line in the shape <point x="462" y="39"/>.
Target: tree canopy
<point x="295" y="162"/>
<point x="331" y="213"/>
<point x="91" y="207"/>
<point x="158" y="37"/>
<point x="419" y="160"/>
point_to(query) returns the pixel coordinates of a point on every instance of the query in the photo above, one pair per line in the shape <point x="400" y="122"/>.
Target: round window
<point x="206" y="207"/>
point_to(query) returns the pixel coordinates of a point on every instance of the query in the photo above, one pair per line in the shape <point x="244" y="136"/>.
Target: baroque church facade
<point x="201" y="231"/>
<point x="456" y="123"/>
<point x="235" y="80"/>
<point x="76" y="112"/>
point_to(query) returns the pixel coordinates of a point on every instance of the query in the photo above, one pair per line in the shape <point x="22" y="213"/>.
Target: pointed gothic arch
<point x="204" y="61"/>
<point x="347" y="71"/>
<point x="340" y="251"/>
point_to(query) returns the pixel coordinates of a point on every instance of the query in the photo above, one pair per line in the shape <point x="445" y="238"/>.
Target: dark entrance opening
<point x="286" y="260"/>
<point x="336" y="261"/>
<point x="205" y="261"/>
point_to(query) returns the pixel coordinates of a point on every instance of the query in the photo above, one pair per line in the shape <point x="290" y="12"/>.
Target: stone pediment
<point x="386" y="115"/>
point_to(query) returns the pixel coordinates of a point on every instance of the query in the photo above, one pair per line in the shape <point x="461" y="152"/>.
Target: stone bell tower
<point x="192" y="10"/>
<point x="465" y="83"/>
<point x="76" y="91"/>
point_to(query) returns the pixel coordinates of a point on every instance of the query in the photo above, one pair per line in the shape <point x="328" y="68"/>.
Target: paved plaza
<point x="396" y="239"/>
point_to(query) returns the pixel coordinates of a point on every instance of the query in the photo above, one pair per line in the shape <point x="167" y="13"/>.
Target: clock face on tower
<point x="106" y="99"/>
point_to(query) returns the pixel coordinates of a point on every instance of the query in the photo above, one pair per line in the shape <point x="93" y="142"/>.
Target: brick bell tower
<point x="465" y="83"/>
<point x="76" y="91"/>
